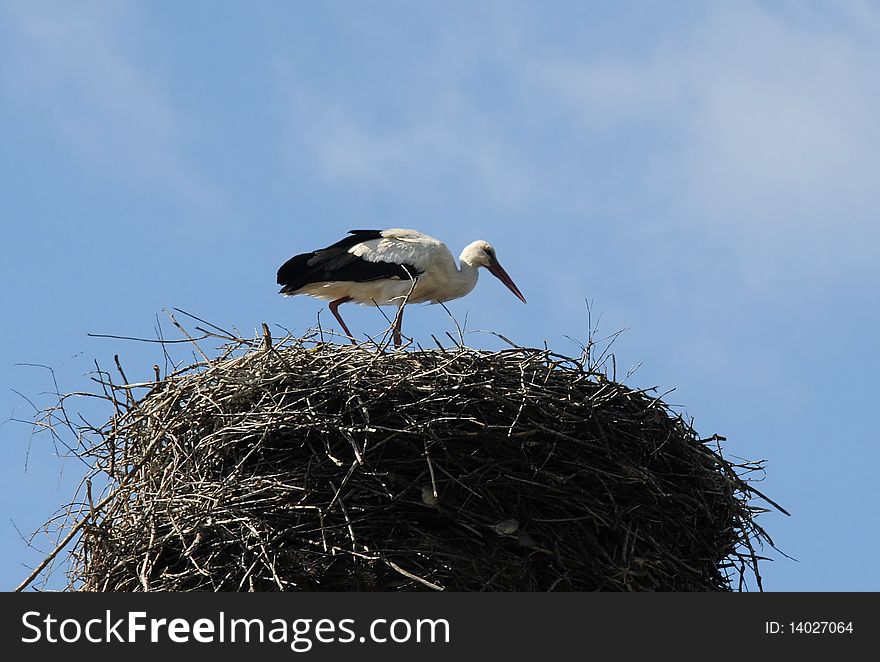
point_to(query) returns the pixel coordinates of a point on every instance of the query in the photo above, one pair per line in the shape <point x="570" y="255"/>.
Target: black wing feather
<point x="335" y="263"/>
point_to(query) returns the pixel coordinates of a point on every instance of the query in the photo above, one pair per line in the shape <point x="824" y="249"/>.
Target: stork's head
<point x="482" y="254"/>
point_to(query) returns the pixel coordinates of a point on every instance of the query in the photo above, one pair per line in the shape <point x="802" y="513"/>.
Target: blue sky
<point x="706" y="173"/>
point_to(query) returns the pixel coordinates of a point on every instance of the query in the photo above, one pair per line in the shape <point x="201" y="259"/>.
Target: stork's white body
<point x="440" y="279"/>
<point x="389" y="267"/>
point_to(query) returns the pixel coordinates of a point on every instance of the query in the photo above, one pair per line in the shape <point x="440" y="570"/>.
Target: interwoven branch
<point x="300" y="465"/>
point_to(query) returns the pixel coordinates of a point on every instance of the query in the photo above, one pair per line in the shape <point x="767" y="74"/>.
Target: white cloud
<point x="424" y="152"/>
<point x="762" y="147"/>
<point x="73" y="64"/>
<point x="768" y="119"/>
<point x="423" y="137"/>
<point x="791" y="127"/>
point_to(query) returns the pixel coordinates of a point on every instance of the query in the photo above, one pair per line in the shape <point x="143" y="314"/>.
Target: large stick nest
<point x="311" y="466"/>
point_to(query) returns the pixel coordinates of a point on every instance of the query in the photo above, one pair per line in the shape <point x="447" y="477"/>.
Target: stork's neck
<point x="466" y="278"/>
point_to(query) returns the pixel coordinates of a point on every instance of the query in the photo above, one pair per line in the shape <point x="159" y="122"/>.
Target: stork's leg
<point x="395" y="333"/>
<point x="333" y="305"/>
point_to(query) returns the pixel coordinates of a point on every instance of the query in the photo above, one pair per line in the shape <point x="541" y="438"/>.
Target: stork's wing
<point x="356" y="258"/>
<point x="417" y="251"/>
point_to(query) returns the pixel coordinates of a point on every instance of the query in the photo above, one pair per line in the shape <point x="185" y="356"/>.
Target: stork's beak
<point x="498" y="271"/>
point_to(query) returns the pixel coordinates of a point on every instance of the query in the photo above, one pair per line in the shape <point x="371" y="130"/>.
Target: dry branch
<point x="300" y="465"/>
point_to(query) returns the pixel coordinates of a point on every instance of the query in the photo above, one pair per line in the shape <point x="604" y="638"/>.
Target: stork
<point x="389" y="267"/>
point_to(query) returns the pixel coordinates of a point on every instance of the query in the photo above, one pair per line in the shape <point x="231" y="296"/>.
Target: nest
<point x="312" y="466"/>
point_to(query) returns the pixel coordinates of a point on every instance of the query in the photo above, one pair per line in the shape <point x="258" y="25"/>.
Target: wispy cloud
<point x="766" y="119"/>
<point x="73" y="65"/>
<point x="422" y="153"/>
<point x="420" y="127"/>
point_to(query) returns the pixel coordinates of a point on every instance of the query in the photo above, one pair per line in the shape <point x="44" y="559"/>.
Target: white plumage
<point x="382" y="267"/>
